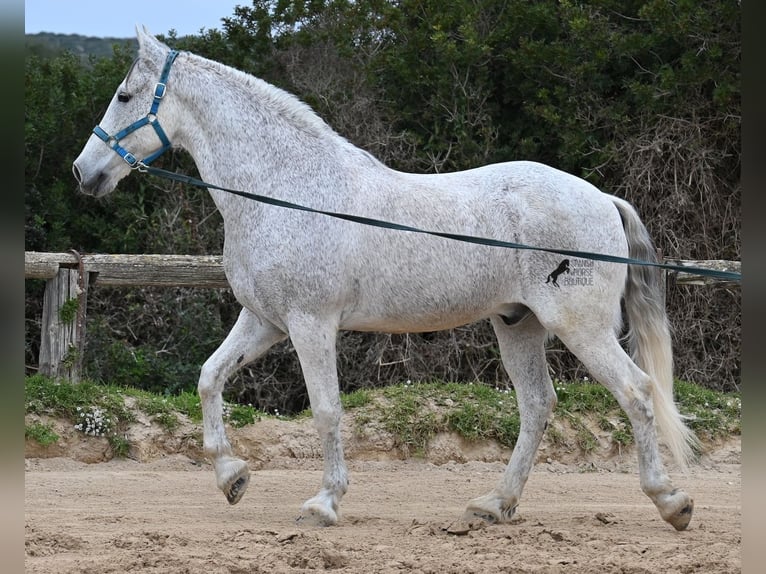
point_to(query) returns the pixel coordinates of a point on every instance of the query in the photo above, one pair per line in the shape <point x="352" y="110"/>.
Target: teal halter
<point x="149" y="119"/>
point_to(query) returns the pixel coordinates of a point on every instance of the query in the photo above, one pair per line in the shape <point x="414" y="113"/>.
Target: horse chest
<point x="272" y="283"/>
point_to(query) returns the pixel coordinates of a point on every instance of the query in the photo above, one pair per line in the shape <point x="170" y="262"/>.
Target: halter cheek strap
<point x="149" y="119"/>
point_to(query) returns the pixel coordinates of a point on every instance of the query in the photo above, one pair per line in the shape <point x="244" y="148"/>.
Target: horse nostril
<point x="76" y="173"/>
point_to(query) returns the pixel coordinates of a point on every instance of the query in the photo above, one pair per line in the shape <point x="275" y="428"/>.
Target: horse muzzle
<point x="96" y="185"/>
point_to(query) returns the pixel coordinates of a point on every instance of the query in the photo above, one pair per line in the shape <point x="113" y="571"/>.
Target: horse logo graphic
<point x="554" y="275"/>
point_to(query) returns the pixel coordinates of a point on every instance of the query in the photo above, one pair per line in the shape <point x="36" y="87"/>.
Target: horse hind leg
<point x="522" y="348"/>
<point x="612" y="367"/>
<point x="248" y="339"/>
<point x="314" y="340"/>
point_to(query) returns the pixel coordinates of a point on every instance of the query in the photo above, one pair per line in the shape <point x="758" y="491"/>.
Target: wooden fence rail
<point x="69" y="275"/>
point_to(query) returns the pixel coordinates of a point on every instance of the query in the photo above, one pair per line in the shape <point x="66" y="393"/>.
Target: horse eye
<point x="123" y="97"/>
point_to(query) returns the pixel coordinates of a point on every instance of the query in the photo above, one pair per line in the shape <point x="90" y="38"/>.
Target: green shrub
<point x="42" y="433"/>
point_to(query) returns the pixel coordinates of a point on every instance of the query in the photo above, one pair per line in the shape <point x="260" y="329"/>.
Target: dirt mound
<point x="271" y="440"/>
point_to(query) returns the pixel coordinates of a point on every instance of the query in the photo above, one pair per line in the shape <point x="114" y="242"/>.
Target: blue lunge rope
<point x="722" y="275"/>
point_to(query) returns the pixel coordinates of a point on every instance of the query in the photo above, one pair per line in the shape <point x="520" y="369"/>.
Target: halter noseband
<point x="150" y="118"/>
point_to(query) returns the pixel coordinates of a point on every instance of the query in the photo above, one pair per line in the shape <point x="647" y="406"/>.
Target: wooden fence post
<point x="63" y="324"/>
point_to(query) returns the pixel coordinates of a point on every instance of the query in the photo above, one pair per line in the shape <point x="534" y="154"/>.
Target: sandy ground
<point x="166" y="516"/>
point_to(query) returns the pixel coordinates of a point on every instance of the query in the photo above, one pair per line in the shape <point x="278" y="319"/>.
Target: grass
<point x="412" y="413"/>
<point x="42" y="433"/>
<point x="93" y="409"/>
<point x="711" y="414"/>
<point x="161" y="406"/>
<point x="241" y="415"/>
<point x="356" y="399"/>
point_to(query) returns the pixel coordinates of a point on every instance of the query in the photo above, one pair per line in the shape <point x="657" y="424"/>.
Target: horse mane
<point x="260" y="93"/>
<point x="282" y="103"/>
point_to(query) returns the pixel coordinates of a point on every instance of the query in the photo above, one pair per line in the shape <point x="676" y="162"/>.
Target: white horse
<point x="307" y="276"/>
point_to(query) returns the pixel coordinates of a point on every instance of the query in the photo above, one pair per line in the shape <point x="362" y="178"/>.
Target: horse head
<point x="130" y="135"/>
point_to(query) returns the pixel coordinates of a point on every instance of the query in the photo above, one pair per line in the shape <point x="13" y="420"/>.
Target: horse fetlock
<point x="491" y="508"/>
<point x="337" y="489"/>
<point x="232" y="476"/>
<point x="676" y="508"/>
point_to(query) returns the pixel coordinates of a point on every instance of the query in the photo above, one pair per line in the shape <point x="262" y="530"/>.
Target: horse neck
<point x="244" y="133"/>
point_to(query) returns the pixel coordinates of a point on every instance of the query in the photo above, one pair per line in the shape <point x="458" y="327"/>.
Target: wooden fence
<point x="69" y="275"/>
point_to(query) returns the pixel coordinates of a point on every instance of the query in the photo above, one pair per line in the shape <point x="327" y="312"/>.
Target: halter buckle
<point x="130" y="159"/>
<point x="159" y="90"/>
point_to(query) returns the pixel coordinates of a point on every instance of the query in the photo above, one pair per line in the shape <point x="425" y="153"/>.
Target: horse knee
<point x="207" y="385"/>
<point x="326" y="419"/>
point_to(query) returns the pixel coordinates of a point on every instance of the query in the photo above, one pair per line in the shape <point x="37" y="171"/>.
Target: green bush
<point x="643" y="101"/>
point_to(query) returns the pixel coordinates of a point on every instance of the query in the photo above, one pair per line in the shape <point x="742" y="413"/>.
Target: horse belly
<point x="433" y="299"/>
<point x="411" y="323"/>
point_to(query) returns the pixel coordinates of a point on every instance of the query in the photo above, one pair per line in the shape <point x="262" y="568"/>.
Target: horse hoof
<point x="678" y="511"/>
<point x="472" y="515"/>
<point x="236" y="489"/>
<point x="680" y="520"/>
<point x="232" y="477"/>
<point x="317" y="514"/>
<point x="490" y="508"/>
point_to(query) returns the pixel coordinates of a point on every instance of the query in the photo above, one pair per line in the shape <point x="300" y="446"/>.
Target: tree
<point x="640" y="97"/>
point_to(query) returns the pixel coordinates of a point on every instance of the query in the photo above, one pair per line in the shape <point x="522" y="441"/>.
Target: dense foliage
<point x="642" y="98"/>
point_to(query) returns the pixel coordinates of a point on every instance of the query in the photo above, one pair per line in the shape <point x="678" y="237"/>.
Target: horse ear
<point x="147" y="42"/>
<point x="142" y="32"/>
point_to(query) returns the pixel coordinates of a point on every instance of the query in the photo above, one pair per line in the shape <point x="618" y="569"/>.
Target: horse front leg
<point x="248" y="339"/>
<point x="314" y="342"/>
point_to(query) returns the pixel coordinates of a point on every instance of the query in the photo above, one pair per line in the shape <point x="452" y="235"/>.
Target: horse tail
<point x="649" y="339"/>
